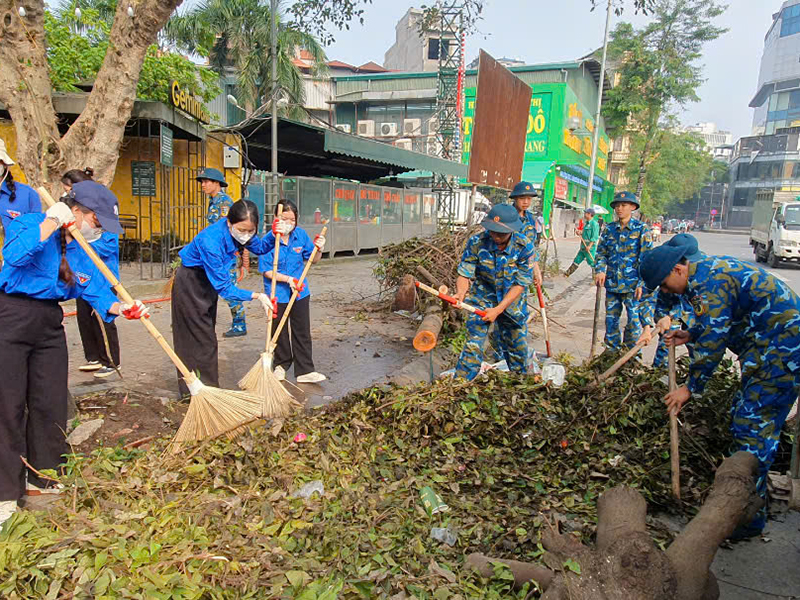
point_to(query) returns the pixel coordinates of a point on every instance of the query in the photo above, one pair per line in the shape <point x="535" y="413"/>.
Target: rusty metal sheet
<point x="502" y="106"/>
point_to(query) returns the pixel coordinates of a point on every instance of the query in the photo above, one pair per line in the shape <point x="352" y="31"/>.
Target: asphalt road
<point x="738" y="246"/>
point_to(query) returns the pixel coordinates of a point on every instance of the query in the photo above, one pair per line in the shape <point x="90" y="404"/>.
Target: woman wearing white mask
<point x="296" y="247"/>
<point x="106" y="245"/>
<point x="204" y="275"/>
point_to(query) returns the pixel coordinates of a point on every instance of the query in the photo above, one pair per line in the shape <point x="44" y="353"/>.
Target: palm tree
<point x="235" y="35"/>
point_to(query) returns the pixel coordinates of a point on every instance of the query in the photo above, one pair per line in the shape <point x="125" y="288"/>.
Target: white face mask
<point x="90" y="233"/>
<point x="240" y="237"/>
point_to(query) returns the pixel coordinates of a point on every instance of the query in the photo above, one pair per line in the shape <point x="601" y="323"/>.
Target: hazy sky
<point x="538" y="31"/>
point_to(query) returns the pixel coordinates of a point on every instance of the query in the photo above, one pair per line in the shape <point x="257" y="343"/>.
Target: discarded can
<point x="432" y="502"/>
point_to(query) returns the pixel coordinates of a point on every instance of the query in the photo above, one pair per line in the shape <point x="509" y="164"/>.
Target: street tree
<point x="235" y="35"/>
<point x="659" y="71"/>
<point x="677" y="170"/>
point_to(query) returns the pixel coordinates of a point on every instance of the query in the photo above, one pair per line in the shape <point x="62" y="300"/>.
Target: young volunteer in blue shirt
<point x="15" y="198"/>
<point x="203" y="276"/>
<point x="106" y="245"/>
<point x="296" y="249"/>
<point x="44" y="266"/>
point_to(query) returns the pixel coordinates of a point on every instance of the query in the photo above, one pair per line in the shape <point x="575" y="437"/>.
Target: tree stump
<point x="625" y="564"/>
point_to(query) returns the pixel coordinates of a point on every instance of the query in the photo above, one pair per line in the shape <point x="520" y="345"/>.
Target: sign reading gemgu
<point x="188" y="103"/>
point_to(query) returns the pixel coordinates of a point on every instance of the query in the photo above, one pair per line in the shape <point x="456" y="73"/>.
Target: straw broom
<point x="260" y="380"/>
<point x="212" y="411"/>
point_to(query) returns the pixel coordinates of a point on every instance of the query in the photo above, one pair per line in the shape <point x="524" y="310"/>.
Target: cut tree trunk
<point x="428" y="331"/>
<point x="626" y="564"/>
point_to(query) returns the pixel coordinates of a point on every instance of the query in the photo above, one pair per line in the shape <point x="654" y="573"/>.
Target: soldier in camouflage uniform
<point x="589" y="236"/>
<point x="617" y="267"/>
<point x="745" y="309"/>
<point x="657" y="305"/>
<point x="495" y="269"/>
<point x="212" y="182"/>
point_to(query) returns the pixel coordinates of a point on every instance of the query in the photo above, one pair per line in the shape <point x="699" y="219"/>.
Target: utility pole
<point x="274" y="110"/>
<point x="596" y="136"/>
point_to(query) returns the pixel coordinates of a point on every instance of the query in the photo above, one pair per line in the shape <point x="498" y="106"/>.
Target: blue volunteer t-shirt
<point x="26" y="200"/>
<point x="291" y="261"/>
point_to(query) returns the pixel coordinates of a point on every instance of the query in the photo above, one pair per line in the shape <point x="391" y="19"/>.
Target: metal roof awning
<point x="308" y="150"/>
<point x="570" y="203"/>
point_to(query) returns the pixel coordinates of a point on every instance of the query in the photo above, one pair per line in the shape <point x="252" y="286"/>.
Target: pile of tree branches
<point x="228" y="520"/>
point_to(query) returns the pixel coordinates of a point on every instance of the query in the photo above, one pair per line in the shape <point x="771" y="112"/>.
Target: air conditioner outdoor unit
<point x="388" y="129"/>
<point x="344" y="127"/>
<point x="366" y="128"/>
<point x="434" y="146"/>
<point x="433" y="125"/>
<point x="404" y="143"/>
<point x="412" y="126"/>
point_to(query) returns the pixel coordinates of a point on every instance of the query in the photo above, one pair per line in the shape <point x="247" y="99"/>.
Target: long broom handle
<point x="274" y="277"/>
<point x="450" y="299"/>
<point x="598" y="299"/>
<point x="674" y="453"/>
<point x="122" y="293"/>
<point x="296" y="293"/>
<point x="628" y="355"/>
<point x="543" y="312"/>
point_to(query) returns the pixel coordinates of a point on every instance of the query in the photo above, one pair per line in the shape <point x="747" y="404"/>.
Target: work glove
<point x="279" y="226"/>
<point x="296" y="285"/>
<point x="269" y="304"/>
<point x="319" y="241"/>
<point x="61" y="214"/>
<point x="134" y="311"/>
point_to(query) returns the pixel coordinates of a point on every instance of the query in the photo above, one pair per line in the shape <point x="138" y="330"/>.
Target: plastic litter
<point x="444" y="535"/>
<point x="553" y="371"/>
<point x="309" y="489"/>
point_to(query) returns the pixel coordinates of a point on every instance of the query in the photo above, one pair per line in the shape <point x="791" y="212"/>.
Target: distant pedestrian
<point x="617" y="268"/>
<point x="212" y="182"/>
<point x="589" y="235"/>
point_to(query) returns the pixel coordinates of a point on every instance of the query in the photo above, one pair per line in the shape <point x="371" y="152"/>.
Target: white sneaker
<point x="33" y="490"/>
<point x="92" y="365"/>
<point x="280" y="373"/>
<point x="312" y="377"/>
<point x="7" y="508"/>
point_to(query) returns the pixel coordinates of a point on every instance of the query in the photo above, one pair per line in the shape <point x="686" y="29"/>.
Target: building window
<point x="433" y="48"/>
<point x="618" y="144"/>
<point x="790" y="20"/>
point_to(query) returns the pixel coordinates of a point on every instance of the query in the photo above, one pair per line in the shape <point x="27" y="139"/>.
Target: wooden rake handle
<point x="122" y="293"/>
<point x="274" y="283"/>
<point x="628" y="355"/>
<point x="450" y="299"/>
<point x="674" y="447"/>
<point x="296" y="293"/>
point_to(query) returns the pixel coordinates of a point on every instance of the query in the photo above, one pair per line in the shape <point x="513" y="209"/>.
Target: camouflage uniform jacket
<point x="618" y="255"/>
<point x="494" y="272"/>
<point x="218" y="207"/>
<point x="743" y="308"/>
<point x="530" y="231"/>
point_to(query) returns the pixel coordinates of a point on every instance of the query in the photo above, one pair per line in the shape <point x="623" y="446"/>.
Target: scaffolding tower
<point x="449" y="103"/>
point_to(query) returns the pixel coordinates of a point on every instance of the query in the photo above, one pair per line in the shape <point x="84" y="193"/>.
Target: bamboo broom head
<point x="214" y="412"/>
<point x="261" y="381"/>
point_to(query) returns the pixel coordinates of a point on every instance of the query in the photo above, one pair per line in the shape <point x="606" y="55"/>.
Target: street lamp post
<point x="596" y="137"/>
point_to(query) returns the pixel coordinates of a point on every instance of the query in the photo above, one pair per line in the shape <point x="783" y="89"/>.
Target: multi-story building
<point x="769" y="160"/>
<point x="718" y="143"/>
<point x="415" y="50"/>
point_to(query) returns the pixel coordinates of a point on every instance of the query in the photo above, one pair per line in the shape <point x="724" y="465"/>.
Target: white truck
<point x="775" y="232"/>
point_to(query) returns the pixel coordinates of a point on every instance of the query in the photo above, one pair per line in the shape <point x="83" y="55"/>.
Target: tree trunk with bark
<point x="626" y="564"/>
<point x="25" y="89"/>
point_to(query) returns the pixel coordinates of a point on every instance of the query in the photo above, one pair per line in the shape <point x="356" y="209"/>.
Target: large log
<point x="428" y="331"/>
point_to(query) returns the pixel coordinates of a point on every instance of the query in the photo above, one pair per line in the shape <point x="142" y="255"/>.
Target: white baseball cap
<point x="4" y="157"/>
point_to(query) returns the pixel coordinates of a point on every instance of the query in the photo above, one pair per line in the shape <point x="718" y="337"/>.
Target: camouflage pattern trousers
<point x="237" y="308"/>
<point x="509" y="340"/>
<point x="633" y="328"/>
<point x="759" y="410"/>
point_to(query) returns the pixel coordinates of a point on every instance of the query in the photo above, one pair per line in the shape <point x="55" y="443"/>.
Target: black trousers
<point x="294" y="342"/>
<point x="33" y="352"/>
<point x="94" y="346"/>
<point x="194" y="322"/>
